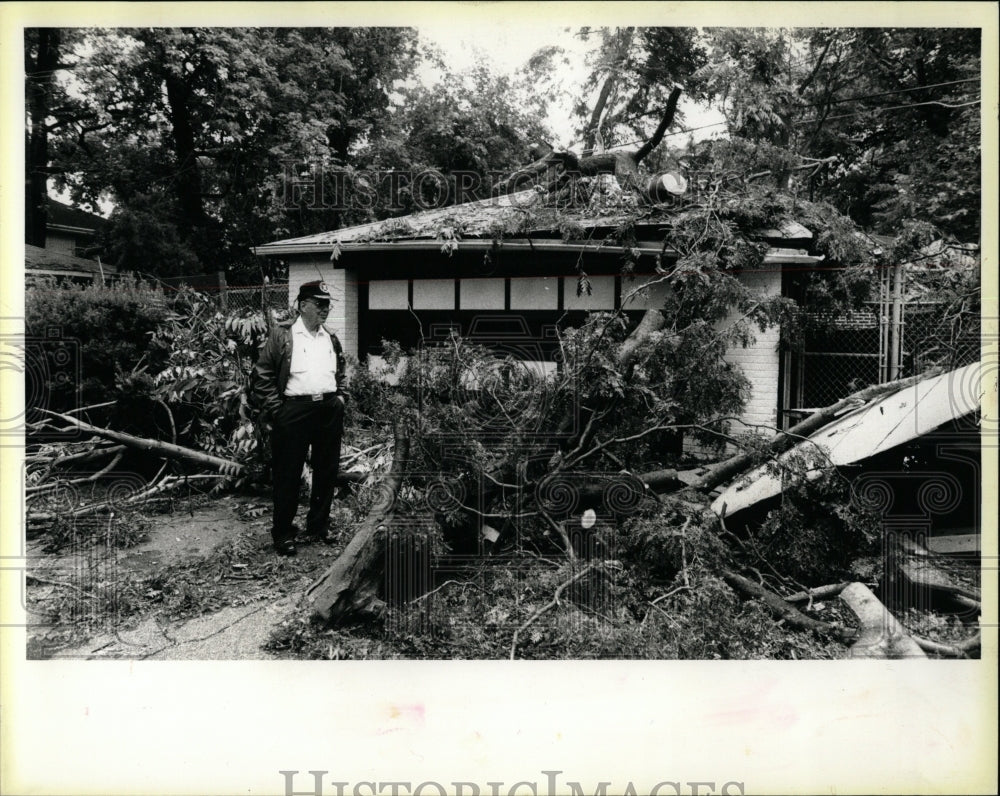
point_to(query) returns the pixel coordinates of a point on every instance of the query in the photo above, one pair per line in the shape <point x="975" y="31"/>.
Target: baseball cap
<point x="314" y="290"/>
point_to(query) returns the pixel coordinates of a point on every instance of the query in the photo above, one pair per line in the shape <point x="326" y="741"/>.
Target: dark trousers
<point x="299" y="426"/>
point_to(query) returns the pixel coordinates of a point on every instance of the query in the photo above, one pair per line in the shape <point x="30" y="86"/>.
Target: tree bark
<point x="623" y="165"/>
<point x="350" y="589"/>
<point x="881" y="635"/>
<point x="782" y="609"/>
<point x="623" y="38"/>
<point x="39" y="80"/>
<point x="165" y="449"/>
<point x="188" y="180"/>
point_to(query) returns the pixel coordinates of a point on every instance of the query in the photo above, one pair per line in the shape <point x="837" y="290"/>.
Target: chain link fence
<point x="260" y="298"/>
<point x="934" y="336"/>
<point x="841" y="354"/>
<point x="846" y="353"/>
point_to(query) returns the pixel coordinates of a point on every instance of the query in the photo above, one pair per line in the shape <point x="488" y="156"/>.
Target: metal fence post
<point x="223" y="298"/>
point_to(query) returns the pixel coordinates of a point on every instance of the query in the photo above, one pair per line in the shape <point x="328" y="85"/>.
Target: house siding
<point x="343" y="286"/>
<point x="760" y="363"/>
<point x="61" y="242"/>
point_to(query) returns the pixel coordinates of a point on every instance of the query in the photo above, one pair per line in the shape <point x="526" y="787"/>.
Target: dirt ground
<point x="202" y="584"/>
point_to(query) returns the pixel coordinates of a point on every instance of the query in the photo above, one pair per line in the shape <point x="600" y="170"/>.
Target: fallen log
<point x="783" y="610"/>
<point x="959" y="649"/>
<point x="167" y="450"/>
<point x="350" y="588"/>
<point x="881" y="635"/>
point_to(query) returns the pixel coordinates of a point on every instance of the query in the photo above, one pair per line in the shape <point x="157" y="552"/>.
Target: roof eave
<point x="650" y="248"/>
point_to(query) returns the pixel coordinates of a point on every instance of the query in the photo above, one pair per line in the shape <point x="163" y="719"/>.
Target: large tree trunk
<point x="623" y="38"/>
<point x="188" y="180"/>
<point x="623" y="165"/>
<point x="881" y="636"/>
<point x="39" y="79"/>
<point x="351" y="588"/>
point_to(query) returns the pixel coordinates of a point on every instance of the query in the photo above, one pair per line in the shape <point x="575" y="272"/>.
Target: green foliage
<point x="894" y="108"/>
<point x="194" y="132"/>
<point x="820" y="528"/>
<point x="605" y="614"/>
<point x="476" y="124"/>
<point x="207" y="359"/>
<point x="144" y="235"/>
<point x="107" y="330"/>
<point x="634" y="68"/>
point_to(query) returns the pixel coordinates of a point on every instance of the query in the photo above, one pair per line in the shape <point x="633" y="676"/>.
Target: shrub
<point x="81" y="336"/>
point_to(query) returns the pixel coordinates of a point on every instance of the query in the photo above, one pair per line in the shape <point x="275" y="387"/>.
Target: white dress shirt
<point x="314" y="363"/>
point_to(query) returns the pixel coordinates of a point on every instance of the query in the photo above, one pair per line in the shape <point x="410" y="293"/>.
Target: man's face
<point x="314" y="312"/>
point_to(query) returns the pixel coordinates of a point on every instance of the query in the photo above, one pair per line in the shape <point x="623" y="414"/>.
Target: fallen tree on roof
<point x="558" y="166"/>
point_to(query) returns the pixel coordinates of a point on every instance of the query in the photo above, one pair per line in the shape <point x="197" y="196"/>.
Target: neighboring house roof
<point x="38" y="260"/>
<point x="866" y="431"/>
<point x="515" y="215"/>
<point x="67" y="217"/>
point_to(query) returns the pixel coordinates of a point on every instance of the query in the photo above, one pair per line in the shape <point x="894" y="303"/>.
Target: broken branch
<point x="548" y="606"/>
<point x="881" y="635"/>
<point x="165" y="449"/>
<point x="731" y="467"/>
<point x="782" y="609"/>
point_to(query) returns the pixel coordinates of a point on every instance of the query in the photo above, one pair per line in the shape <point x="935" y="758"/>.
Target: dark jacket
<point x="274" y="363"/>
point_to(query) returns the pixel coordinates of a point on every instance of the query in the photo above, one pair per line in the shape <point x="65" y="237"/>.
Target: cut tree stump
<point x="881" y="635"/>
<point x="350" y="590"/>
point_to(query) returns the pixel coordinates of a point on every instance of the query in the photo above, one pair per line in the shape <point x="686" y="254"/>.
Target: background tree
<point x="633" y="71"/>
<point x="50" y="110"/>
<point x="467" y="126"/>
<point x="200" y="126"/>
<point x="893" y="112"/>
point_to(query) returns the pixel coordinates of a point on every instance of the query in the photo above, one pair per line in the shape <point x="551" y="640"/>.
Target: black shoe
<point x="286" y="548"/>
<point x="326" y="537"/>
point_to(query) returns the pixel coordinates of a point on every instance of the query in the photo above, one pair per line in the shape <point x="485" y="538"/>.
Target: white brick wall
<point x="343" y="286"/>
<point x="759" y="362"/>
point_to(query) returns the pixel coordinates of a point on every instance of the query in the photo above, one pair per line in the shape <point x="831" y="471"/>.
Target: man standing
<point x="300" y="385"/>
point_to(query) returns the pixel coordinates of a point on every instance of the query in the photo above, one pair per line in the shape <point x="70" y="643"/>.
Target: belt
<point x="322" y="396"/>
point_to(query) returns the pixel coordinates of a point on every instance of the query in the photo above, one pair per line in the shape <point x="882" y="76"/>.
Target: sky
<point x="508" y="45"/>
